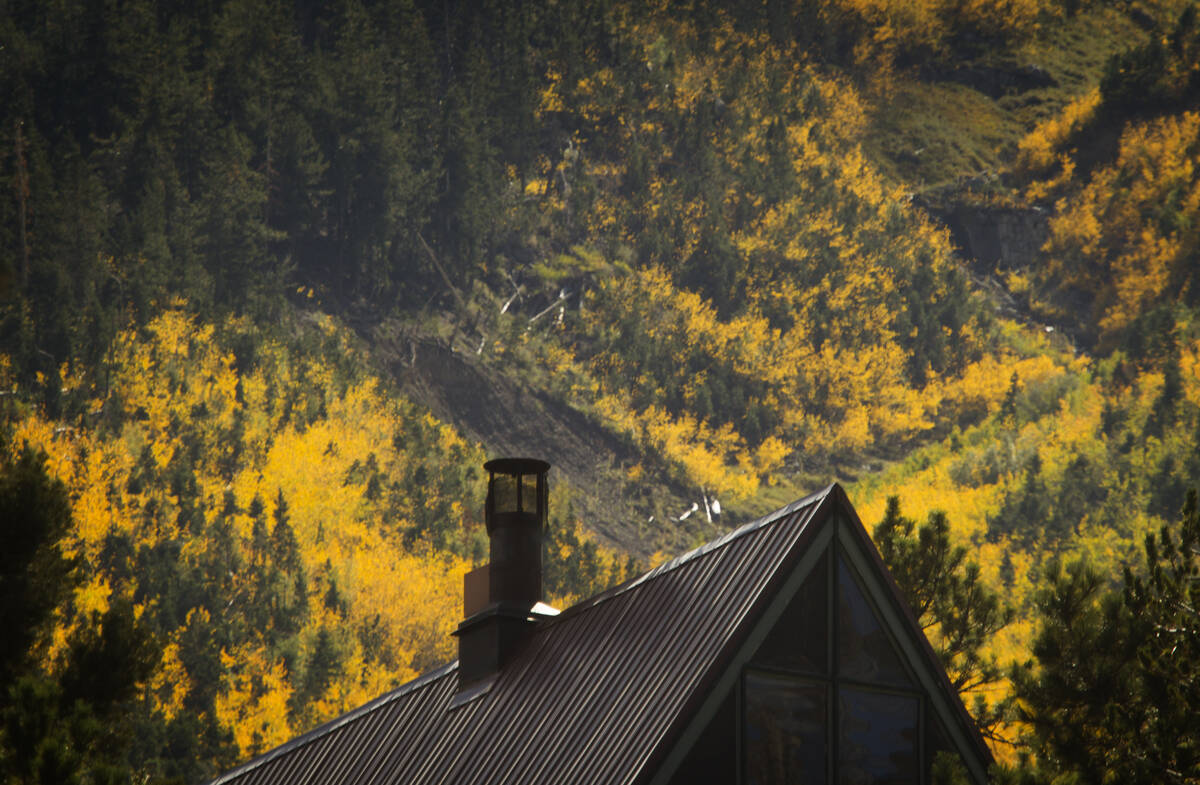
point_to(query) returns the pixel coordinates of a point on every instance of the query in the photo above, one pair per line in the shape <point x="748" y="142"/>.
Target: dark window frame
<point x="834" y="558"/>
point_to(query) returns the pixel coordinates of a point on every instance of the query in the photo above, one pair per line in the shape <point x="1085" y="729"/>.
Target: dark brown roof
<point x="597" y="696"/>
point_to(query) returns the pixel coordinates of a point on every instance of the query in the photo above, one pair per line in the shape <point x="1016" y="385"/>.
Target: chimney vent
<point x="497" y="626"/>
<point x="515" y="516"/>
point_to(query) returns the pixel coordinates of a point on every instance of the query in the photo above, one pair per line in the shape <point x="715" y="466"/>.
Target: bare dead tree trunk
<point x="458" y="298"/>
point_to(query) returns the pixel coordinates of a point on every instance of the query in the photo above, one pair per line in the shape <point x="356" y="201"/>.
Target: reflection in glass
<point x="946" y="766"/>
<point x="504" y="493"/>
<point x="865" y="651"/>
<point x="798" y="640"/>
<point x="529" y="499"/>
<point x="714" y="756"/>
<point x="878" y="738"/>
<point x="785" y="731"/>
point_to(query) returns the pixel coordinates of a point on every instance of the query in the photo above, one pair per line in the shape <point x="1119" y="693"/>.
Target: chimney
<point x="498" y="624"/>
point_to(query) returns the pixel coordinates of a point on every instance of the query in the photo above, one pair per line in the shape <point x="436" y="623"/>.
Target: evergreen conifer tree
<point x="951" y="602"/>
<point x="69" y="723"/>
<point x="1112" y="694"/>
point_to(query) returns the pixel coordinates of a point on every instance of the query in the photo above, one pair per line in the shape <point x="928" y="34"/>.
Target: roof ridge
<point x="689" y="556"/>
<point x="427" y="679"/>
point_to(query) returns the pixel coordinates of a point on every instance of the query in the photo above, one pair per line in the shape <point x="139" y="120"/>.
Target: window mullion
<point x="831" y="614"/>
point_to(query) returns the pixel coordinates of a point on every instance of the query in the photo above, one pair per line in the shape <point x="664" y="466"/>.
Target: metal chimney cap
<point x="517" y="466"/>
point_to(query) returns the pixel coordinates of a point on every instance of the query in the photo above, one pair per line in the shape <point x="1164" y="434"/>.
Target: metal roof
<point x="598" y="694"/>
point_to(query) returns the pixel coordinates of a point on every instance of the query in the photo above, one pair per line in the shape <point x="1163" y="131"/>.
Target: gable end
<point x="836" y="536"/>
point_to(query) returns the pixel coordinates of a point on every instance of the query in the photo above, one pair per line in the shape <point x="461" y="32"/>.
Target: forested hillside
<point x="936" y="250"/>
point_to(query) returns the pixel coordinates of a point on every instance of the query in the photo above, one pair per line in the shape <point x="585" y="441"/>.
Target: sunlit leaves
<point x="1130" y="235"/>
<point x="192" y="454"/>
<point x="783" y="297"/>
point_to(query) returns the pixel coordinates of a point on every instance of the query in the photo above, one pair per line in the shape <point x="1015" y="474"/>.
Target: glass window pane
<point x="878" y="738"/>
<point x="785" y="731"/>
<point x="799" y="640"/>
<point x="945" y="765"/>
<point x="504" y="493"/>
<point x="865" y="651"/>
<point x="713" y="758"/>
<point x="529" y="499"/>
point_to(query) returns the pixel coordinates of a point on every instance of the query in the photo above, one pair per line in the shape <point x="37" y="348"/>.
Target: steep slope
<point x="494" y="407"/>
<point x="686" y="252"/>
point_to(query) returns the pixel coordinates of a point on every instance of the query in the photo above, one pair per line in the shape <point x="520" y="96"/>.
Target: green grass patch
<point x="930" y="131"/>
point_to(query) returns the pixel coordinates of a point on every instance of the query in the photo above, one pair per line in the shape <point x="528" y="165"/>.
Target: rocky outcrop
<point x="995" y="238"/>
<point x="995" y="81"/>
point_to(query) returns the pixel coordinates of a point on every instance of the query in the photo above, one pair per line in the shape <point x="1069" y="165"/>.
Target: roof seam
<point x="336" y="723"/>
<point x="303" y="745"/>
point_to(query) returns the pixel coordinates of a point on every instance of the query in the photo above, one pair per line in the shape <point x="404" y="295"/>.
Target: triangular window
<point x="865" y="650"/>
<point x="848" y="713"/>
<point x="799" y="640"/>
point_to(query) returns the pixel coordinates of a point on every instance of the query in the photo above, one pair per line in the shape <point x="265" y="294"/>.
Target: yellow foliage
<point x="91" y="598"/>
<point x="1042" y="148"/>
<point x="427" y="585"/>
<point x="290" y="425"/>
<point x="1131" y="234"/>
<point x="1189" y="366"/>
<point x="253" y="700"/>
<point x="170" y="682"/>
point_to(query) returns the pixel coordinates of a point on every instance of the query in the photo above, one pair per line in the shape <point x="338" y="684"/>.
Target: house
<point x="779" y="653"/>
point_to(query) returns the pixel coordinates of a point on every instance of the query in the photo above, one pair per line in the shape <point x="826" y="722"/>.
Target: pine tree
<point x="1025" y="511"/>
<point x="1165" y="606"/>
<point x="1111" y="694"/>
<point x="35" y="576"/>
<point x="944" y="589"/>
<point x="68" y="723"/>
<point x="1008" y="408"/>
